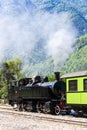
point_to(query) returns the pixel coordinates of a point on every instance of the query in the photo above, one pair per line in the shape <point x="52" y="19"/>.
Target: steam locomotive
<point x="38" y="95"/>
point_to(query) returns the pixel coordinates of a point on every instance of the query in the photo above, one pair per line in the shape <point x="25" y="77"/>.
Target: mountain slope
<point x="77" y="8"/>
<point x="78" y="59"/>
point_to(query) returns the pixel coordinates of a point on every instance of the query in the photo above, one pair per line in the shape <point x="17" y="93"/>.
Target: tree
<point x="10" y="70"/>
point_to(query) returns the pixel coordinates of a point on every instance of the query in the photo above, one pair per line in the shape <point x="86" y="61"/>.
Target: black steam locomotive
<point x="38" y="95"/>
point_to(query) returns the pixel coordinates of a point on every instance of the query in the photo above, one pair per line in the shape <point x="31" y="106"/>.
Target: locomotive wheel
<point x="46" y="109"/>
<point x="39" y="107"/>
<point x="20" y="107"/>
<point x="57" y="110"/>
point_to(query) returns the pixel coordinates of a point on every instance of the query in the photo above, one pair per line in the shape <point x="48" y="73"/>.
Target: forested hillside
<point x="77" y="8"/>
<point x="77" y="61"/>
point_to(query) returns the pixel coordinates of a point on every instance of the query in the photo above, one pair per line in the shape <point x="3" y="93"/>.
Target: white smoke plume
<point x="22" y="27"/>
<point x="60" y="44"/>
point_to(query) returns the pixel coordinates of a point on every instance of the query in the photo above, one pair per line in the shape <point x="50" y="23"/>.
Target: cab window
<point x="72" y="85"/>
<point x="85" y="84"/>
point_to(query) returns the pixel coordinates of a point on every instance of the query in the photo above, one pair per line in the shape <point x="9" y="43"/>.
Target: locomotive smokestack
<point x="57" y="75"/>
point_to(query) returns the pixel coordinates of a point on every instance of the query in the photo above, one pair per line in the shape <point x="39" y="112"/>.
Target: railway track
<point x="45" y="117"/>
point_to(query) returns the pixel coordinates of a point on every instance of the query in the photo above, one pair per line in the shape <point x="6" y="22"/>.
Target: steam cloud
<point x="60" y="44"/>
<point x="21" y="28"/>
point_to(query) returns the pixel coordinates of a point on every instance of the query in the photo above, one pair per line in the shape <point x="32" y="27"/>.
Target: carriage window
<point x="73" y="85"/>
<point x="85" y="84"/>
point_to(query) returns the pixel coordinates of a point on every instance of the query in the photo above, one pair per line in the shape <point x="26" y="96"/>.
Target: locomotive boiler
<point x="38" y="95"/>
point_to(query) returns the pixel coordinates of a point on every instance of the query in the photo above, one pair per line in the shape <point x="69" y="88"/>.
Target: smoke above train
<point x="22" y="28"/>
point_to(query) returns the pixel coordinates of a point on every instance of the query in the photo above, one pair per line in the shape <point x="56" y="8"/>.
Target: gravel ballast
<point x="16" y="122"/>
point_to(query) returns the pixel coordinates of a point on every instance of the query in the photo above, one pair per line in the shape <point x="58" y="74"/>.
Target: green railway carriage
<point x="76" y="89"/>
